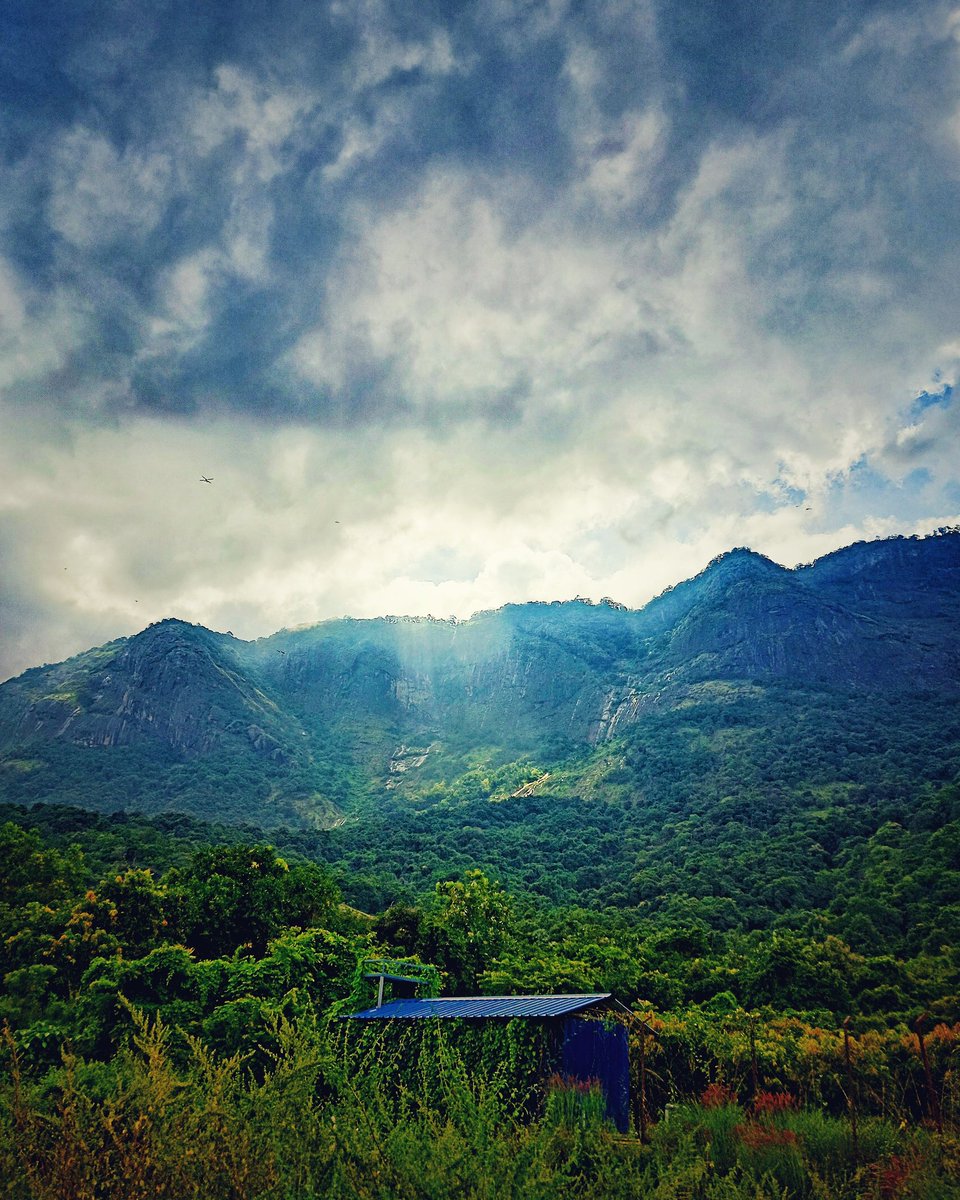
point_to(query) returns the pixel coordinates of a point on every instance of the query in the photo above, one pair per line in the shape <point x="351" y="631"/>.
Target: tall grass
<point x="328" y="1120"/>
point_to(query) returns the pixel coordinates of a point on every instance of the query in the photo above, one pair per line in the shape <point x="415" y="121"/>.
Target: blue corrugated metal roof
<point x="480" y="1007"/>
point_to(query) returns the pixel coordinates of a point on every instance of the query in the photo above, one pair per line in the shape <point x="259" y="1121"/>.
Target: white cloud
<point x="264" y="116"/>
<point x="363" y="136"/>
<point x="101" y="195"/>
<point x="36" y="337"/>
<point x="618" y="156"/>
<point x="903" y="34"/>
<point x="246" y="237"/>
<point x="644" y="344"/>
<point x="382" y="54"/>
<point x="465" y="306"/>
<point x="188" y="288"/>
<point x="620" y="166"/>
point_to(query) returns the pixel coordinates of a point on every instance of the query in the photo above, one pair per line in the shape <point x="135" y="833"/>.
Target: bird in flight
<point x="206" y="479"/>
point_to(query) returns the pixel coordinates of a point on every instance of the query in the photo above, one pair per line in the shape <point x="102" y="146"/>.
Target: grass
<point x="318" y="1124"/>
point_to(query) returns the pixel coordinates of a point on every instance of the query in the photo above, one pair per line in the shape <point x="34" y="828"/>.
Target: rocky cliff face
<point x="750" y="619"/>
<point x="901" y="578"/>
<point x="513" y="675"/>
<point x="175" y="684"/>
<point x="875" y="617"/>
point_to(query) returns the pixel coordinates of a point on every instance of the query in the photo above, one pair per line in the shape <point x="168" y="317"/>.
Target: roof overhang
<point x="480" y="1008"/>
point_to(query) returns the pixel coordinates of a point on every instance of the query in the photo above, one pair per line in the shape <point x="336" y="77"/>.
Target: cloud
<point x="260" y="117"/>
<point x="101" y="196"/>
<point x="36" y="338"/>
<point x="476" y="304"/>
<point x="463" y="306"/>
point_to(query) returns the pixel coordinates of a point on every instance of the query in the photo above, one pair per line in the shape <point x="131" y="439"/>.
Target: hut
<point x="583" y="1037"/>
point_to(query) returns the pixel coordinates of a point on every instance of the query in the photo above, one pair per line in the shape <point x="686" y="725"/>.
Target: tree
<point x="139" y="920"/>
<point x="468" y="924"/>
<point x="233" y="896"/>
<point x="31" y="871"/>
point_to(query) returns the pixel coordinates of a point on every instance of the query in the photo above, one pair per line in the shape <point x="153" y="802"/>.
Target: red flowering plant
<point x="769" y="1104"/>
<point x="717" y="1095"/>
<point x="889" y="1177"/>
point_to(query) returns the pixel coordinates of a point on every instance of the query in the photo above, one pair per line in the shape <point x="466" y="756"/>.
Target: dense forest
<point x="171" y="984"/>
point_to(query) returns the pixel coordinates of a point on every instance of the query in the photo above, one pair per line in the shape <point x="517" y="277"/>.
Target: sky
<point x="462" y="303"/>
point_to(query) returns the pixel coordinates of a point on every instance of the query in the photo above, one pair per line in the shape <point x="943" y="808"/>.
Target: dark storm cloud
<point x="236" y="137"/>
<point x="137" y="136"/>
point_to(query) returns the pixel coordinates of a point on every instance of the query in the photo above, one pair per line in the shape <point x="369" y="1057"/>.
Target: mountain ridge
<point x="309" y="716"/>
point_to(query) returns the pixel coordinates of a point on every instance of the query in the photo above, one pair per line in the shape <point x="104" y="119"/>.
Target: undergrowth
<point x="318" y="1121"/>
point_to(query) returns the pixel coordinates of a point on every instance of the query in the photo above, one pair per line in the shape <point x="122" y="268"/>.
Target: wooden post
<point x="933" y="1100"/>
<point x="851" y="1096"/>
<point x="638" y="1096"/>
<point x="754" y="1073"/>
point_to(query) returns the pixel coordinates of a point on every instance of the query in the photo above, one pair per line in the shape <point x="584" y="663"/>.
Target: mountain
<point x="309" y="726"/>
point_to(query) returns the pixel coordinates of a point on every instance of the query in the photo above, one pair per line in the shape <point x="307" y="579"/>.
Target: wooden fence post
<point x="933" y="1100"/>
<point x="754" y="1073"/>
<point x="851" y="1093"/>
<point x="639" y="1102"/>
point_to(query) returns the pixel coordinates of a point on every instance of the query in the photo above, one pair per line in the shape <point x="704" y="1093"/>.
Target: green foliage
<point x="803" y="1153"/>
<point x="573" y="1104"/>
<point x="31" y="871"/>
<point x="468" y="921"/>
<point x="237" y="895"/>
<point x="230" y="1001"/>
<point x="316" y="1123"/>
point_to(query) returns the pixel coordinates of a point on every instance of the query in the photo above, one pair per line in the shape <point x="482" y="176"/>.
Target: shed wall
<point x="591" y="1050"/>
